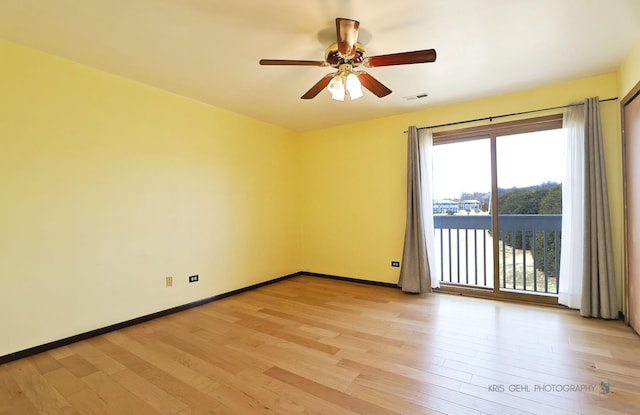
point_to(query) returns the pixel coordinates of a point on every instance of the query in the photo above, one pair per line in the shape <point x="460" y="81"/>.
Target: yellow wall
<point x="353" y="201"/>
<point x="629" y="72"/>
<point x="107" y="186"/>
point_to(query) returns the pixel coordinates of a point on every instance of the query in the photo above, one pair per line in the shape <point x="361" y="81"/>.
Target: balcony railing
<point x="529" y="251"/>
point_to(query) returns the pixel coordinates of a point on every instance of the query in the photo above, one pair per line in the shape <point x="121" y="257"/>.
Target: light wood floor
<point x="309" y="345"/>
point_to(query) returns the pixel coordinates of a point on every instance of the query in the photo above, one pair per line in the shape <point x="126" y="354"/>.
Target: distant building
<point x="446" y="206"/>
<point x="451" y="207"/>
<point x="469" y="205"/>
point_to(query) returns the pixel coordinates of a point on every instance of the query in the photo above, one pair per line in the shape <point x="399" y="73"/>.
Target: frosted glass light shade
<point x="336" y="87"/>
<point x="353" y="86"/>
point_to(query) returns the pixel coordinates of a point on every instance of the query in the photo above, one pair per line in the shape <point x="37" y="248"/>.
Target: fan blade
<point x="292" y="62"/>
<point x="319" y="86"/>
<point x="347" y="36"/>
<point x="403" y="58"/>
<point x="373" y="85"/>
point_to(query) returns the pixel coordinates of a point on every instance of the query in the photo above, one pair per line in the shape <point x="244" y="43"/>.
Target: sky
<point x="523" y="160"/>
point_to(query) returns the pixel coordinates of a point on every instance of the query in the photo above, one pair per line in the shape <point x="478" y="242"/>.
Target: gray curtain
<point x="598" y="285"/>
<point x="415" y="274"/>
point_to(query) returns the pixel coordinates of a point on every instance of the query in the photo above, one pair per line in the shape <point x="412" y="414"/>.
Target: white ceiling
<point x="209" y="49"/>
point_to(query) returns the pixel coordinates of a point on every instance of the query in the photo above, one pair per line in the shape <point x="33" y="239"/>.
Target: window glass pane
<point x="529" y="171"/>
<point x="461" y="169"/>
<point x="462" y="194"/>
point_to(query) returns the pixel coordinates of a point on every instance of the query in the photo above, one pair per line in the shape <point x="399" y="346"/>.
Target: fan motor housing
<point x="335" y="59"/>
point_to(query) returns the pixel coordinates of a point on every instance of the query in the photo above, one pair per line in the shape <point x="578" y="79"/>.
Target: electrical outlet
<point x="193" y="278"/>
<point x="169" y="282"/>
<point x="395" y="264"/>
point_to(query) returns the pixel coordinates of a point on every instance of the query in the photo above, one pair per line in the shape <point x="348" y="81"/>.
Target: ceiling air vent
<point x="418" y="96"/>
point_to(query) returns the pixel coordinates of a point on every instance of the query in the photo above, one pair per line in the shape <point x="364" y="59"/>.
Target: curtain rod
<point x="491" y="118"/>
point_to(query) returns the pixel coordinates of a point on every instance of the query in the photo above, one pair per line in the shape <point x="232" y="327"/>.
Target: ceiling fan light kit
<point x="345" y="55"/>
<point x="345" y="82"/>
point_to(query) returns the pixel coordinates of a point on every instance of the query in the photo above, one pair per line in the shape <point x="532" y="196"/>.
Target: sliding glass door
<point x="529" y="174"/>
<point x="497" y="208"/>
<point x="461" y="207"/>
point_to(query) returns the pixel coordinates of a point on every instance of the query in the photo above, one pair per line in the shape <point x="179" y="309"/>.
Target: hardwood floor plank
<point x="175" y="378"/>
<point x="130" y="404"/>
<point x="312" y="404"/>
<point x="61" y="352"/>
<point x="22" y="408"/>
<point x="404" y="405"/>
<point x="97" y="358"/>
<point x="250" y="398"/>
<point x="65" y="382"/>
<point x="12" y="397"/>
<point x="86" y="401"/>
<point x="323" y="370"/>
<point x="205" y="350"/>
<point x="626" y="368"/>
<point x="45" y="362"/>
<point x="78" y="365"/>
<point x="425" y="390"/>
<point x="42" y="395"/>
<point x="105" y="386"/>
<point x="223" y="394"/>
<point x="328" y="394"/>
<point x="154" y="396"/>
<point x="528" y="401"/>
<point x="313" y="346"/>
<point x="330" y="325"/>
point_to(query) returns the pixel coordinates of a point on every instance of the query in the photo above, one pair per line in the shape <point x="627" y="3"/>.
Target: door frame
<point x="631" y="96"/>
<point x="492" y="131"/>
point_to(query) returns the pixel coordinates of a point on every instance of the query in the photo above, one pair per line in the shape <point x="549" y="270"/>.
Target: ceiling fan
<point x="347" y="54"/>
